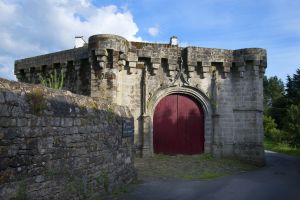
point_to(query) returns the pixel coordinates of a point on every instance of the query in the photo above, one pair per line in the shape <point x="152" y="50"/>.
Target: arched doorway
<point x="178" y="125"/>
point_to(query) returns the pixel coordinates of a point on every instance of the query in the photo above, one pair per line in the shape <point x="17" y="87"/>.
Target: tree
<point x="292" y="124"/>
<point x="293" y="87"/>
<point x="273" y="91"/>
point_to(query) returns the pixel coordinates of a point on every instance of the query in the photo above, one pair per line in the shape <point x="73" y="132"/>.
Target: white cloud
<point x="153" y="31"/>
<point x="36" y="27"/>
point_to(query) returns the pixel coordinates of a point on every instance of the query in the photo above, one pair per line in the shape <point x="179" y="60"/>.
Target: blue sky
<point x="33" y="27"/>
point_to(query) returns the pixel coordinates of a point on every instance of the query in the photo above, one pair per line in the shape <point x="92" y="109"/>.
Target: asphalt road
<point x="279" y="179"/>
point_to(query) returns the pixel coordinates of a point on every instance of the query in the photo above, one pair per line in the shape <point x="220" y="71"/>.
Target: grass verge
<point x="281" y="148"/>
<point x="194" y="167"/>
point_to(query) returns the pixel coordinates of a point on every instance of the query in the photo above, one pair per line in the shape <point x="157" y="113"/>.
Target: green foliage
<point x="292" y="125"/>
<point x="272" y="132"/>
<point x="273" y="90"/>
<point x="293" y="87"/>
<point x="282" y="124"/>
<point x="55" y="80"/>
<point x="37" y="101"/>
<point x="281" y="147"/>
<point x="110" y="114"/>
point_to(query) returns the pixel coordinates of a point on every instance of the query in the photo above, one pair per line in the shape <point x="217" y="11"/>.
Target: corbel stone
<point x="102" y="58"/>
<point x="122" y="61"/>
<point x="172" y="67"/>
<point x="140" y="65"/>
<point x="190" y="69"/>
<point x="205" y="68"/>
<point x="262" y="68"/>
<point x="76" y="64"/>
<point x="155" y="67"/>
<point x="123" y="56"/>
<point x="156" y="61"/>
<point x="131" y="65"/>
<point x="63" y="67"/>
<point x="226" y="68"/>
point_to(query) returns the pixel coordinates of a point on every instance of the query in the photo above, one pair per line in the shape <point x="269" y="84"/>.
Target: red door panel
<point x="178" y="126"/>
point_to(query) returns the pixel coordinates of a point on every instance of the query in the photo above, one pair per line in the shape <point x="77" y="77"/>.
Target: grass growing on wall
<point x="37" y="101"/>
<point x="55" y="81"/>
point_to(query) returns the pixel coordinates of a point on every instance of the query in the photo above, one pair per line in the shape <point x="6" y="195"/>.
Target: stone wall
<point x="58" y="145"/>
<point x="73" y="63"/>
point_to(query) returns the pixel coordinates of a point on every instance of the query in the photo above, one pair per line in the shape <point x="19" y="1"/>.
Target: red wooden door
<point x="178" y="126"/>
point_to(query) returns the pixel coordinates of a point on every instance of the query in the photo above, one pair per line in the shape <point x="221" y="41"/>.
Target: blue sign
<point x="128" y="128"/>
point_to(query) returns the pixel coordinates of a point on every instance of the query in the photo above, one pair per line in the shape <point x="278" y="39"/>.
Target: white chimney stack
<point x="174" y="40"/>
<point x="79" y="41"/>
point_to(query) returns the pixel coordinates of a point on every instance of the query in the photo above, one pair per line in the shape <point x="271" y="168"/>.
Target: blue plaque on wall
<point x="128" y="128"/>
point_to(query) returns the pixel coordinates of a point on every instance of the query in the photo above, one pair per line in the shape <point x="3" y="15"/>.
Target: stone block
<point x="132" y="64"/>
<point x="156" y="60"/>
<point x="122" y="62"/>
<point x="123" y="56"/>
<point x="132" y="57"/>
<point x="172" y="61"/>
<point x="172" y="67"/>
<point x="155" y="66"/>
<point x="140" y="65"/>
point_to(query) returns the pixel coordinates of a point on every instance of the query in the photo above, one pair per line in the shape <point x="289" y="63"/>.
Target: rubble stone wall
<point x="58" y="145"/>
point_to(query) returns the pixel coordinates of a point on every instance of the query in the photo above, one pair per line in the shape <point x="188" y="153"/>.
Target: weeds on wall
<point x="37" y="101"/>
<point x="55" y="81"/>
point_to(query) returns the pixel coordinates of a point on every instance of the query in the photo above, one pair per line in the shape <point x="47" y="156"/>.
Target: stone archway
<point x="178" y="125"/>
<point x="193" y="93"/>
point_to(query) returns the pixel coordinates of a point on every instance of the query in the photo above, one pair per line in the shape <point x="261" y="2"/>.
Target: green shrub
<point x="37" y="101"/>
<point x="272" y="132"/>
<point x="292" y="125"/>
<point x="55" y="81"/>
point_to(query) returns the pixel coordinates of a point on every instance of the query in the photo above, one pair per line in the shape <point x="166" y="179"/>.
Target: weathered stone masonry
<point x="58" y="145"/>
<point x="226" y="83"/>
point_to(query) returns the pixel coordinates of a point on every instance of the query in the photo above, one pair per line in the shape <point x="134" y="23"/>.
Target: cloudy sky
<point x="33" y="27"/>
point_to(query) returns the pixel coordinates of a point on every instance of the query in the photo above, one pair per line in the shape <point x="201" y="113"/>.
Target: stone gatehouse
<point x="185" y="100"/>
